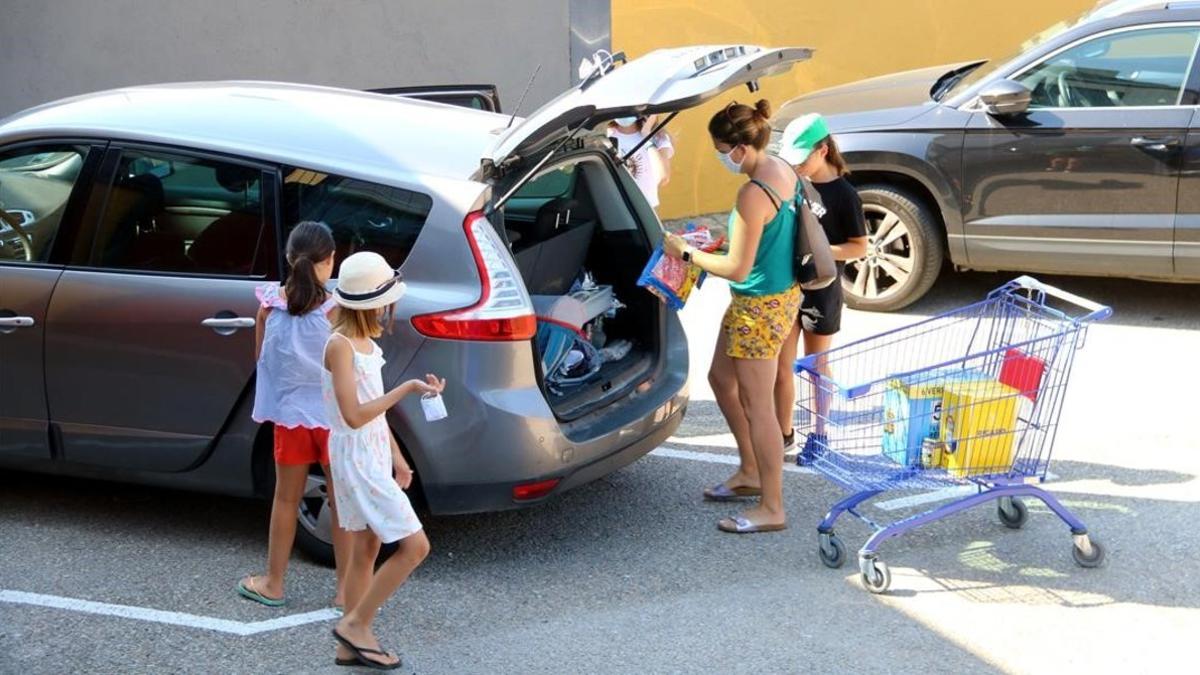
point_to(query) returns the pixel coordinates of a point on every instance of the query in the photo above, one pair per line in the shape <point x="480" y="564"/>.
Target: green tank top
<point x="774" y="265"/>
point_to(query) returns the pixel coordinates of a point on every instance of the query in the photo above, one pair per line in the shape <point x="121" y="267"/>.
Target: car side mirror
<point x="1005" y="97"/>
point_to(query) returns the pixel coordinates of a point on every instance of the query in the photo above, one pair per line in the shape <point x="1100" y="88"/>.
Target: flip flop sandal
<point x="360" y="655"/>
<point x="723" y="493"/>
<point x="741" y="525"/>
<point x="247" y="590"/>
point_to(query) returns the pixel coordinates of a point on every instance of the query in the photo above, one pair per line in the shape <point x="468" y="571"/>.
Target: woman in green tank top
<point x="762" y="311"/>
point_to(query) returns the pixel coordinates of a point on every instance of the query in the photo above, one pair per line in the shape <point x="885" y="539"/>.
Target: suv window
<point x="558" y="182"/>
<point x="35" y="183"/>
<point x="1146" y="67"/>
<point x="174" y="213"/>
<point x="363" y="216"/>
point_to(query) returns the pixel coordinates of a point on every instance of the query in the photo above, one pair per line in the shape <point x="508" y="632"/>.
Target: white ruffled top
<point x="288" y="385"/>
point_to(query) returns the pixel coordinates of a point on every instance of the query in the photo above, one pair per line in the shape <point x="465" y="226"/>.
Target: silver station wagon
<point x="137" y="223"/>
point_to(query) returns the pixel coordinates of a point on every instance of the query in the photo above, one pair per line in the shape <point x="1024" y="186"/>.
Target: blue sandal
<point x="245" y="588"/>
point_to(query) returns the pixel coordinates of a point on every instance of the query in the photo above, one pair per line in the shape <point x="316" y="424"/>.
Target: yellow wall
<point x="853" y="39"/>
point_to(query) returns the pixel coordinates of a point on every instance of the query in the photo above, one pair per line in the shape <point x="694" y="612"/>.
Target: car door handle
<point x="1157" y="144"/>
<point x="16" y="322"/>
<point x="228" y="325"/>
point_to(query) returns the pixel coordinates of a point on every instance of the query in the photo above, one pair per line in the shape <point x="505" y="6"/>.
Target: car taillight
<point x="503" y="312"/>
<point x="528" y="491"/>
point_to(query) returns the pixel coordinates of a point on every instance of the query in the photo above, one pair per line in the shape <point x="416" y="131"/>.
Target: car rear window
<point x="364" y="216"/>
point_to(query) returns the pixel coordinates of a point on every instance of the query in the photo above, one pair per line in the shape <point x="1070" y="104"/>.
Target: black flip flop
<point x="360" y="657"/>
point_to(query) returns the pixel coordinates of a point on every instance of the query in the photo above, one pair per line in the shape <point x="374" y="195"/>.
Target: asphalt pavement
<point x="629" y="574"/>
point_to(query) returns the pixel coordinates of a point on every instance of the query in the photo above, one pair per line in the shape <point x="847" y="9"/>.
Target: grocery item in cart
<point x="671" y="279"/>
<point x="979" y="420"/>
<point x="1022" y="372"/>
<point x="912" y="407"/>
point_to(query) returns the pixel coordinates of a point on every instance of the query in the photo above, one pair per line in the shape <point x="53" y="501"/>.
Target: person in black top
<point x="809" y="147"/>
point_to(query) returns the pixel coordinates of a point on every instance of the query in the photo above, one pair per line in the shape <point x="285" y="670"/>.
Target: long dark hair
<point x="738" y="124"/>
<point x="309" y="243"/>
<point x="834" y="156"/>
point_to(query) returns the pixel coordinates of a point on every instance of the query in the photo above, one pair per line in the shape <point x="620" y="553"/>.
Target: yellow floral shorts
<point x="757" y="325"/>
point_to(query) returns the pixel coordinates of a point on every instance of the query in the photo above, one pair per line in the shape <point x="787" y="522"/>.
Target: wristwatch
<point x="687" y="254"/>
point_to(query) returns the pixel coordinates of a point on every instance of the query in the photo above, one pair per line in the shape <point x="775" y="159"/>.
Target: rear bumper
<point x="501" y="432"/>
<point x="475" y="498"/>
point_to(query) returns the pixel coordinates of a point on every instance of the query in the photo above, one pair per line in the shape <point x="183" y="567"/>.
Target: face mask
<point x="626" y="121"/>
<point x="727" y="160"/>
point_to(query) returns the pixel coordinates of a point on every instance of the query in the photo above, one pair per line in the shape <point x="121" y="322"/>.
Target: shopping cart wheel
<point x="877" y="578"/>
<point x="832" y="551"/>
<point x="1013" y="512"/>
<point x="1087" y="551"/>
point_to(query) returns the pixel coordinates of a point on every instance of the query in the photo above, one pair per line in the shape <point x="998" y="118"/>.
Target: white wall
<point x="50" y="49"/>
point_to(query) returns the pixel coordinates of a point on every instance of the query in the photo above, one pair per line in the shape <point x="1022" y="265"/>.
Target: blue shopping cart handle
<point x="1096" y="311"/>
<point x="806" y="364"/>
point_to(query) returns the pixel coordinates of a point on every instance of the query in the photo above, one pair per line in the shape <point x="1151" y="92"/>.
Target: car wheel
<point x="314" y="531"/>
<point x="904" y="252"/>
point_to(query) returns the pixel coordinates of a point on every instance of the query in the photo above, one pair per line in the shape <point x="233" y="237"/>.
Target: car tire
<point x="912" y="239"/>
<point x="314" y="534"/>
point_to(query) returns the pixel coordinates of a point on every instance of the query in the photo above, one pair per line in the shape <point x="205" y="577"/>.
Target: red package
<point x="1023" y="372"/>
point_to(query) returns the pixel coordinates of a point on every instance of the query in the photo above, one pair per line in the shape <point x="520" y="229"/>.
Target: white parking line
<point x="714" y="458"/>
<point x="239" y="628"/>
<point x="897" y="504"/>
<point x="925" y="498"/>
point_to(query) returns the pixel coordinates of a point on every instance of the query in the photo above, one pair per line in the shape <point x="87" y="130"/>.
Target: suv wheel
<point x="904" y="252"/>
<point x="314" y="531"/>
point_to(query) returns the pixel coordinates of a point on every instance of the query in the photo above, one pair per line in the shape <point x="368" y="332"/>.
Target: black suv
<point x="1080" y="155"/>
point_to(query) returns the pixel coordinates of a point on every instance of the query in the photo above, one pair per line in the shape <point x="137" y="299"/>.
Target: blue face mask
<point x="626" y="121"/>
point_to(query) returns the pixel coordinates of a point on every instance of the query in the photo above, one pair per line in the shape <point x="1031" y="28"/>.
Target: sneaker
<point x="814" y="446"/>
<point x="789" y="445"/>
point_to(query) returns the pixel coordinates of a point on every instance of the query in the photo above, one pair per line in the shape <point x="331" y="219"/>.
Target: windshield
<point x="963" y="80"/>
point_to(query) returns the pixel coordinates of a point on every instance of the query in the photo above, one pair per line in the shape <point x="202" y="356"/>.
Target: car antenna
<point x="523" y="95"/>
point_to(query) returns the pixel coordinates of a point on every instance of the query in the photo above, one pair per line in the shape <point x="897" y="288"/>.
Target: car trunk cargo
<point x="575" y="221"/>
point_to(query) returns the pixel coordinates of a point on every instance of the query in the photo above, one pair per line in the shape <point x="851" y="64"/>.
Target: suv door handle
<point x="228" y="325"/>
<point x="16" y="322"/>
<point x="1157" y="144"/>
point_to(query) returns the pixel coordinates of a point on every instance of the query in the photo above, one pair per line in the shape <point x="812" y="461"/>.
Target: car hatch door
<point x="663" y="81"/>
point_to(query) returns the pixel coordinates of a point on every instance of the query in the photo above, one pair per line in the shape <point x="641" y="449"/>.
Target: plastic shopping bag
<point x="671" y="279"/>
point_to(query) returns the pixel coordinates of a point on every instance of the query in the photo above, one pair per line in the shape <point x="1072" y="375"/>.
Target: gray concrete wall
<point x="50" y="49"/>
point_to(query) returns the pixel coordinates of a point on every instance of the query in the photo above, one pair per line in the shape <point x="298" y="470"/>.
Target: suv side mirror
<point x="1005" y="97"/>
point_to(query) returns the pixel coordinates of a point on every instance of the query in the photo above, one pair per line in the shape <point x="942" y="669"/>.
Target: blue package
<point x="912" y="409"/>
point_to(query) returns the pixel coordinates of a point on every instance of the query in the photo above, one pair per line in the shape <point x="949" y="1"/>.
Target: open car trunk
<point x="579" y="246"/>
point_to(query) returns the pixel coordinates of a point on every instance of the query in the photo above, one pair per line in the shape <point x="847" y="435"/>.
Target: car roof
<point x="323" y="128"/>
<point x="1115" y="8"/>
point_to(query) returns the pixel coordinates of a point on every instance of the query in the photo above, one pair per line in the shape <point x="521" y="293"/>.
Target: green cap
<point x="800" y="137"/>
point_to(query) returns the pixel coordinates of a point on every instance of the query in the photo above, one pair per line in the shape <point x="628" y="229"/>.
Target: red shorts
<point x="301" y="445"/>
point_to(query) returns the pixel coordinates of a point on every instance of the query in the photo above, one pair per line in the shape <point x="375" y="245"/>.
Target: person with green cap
<point x="809" y="147"/>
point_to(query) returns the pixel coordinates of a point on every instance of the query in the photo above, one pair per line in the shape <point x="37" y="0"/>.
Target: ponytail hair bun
<point x="763" y="108"/>
<point x="738" y="124"/>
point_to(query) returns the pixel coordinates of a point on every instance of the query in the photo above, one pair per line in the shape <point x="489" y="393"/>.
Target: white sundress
<point x="361" y="459"/>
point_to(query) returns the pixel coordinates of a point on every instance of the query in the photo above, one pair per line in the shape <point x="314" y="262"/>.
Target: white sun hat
<point x="366" y="281"/>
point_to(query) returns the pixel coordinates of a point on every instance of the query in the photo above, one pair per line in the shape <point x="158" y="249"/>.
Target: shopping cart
<point x="968" y="398"/>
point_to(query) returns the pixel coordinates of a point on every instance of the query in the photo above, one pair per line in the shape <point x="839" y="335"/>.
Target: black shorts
<point x="821" y="311"/>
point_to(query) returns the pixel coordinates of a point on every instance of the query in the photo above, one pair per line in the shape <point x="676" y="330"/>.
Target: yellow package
<point x="979" y="420"/>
